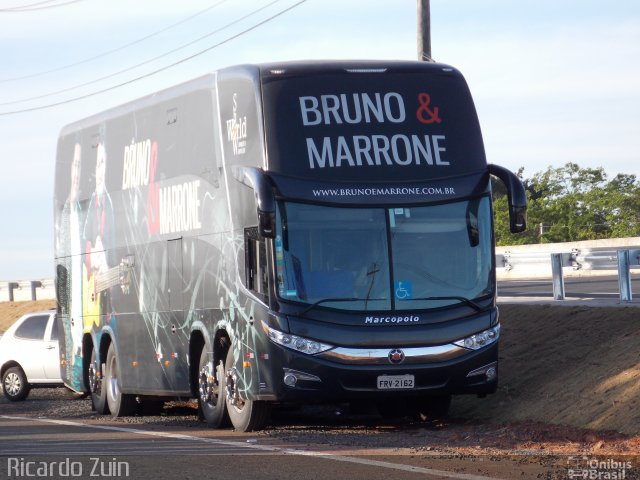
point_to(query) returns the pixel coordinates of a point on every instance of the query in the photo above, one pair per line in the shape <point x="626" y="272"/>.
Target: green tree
<point x="571" y="203"/>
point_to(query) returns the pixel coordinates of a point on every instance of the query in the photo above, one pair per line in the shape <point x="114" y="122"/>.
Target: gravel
<point x="335" y="425"/>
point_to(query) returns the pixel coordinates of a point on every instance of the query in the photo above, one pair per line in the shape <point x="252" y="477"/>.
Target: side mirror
<point x="516" y="195"/>
<point x="517" y="218"/>
<point x="267" y="224"/>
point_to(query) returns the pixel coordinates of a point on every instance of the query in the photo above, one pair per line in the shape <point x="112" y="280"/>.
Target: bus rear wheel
<point x="211" y="405"/>
<point x="98" y="393"/>
<point x="245" y="415"/>
<point x="120" y="404"/>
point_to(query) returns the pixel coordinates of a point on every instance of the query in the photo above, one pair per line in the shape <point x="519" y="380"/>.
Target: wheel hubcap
<point x="113" y="378"/>
<point x="207" y="384"/>
<point x="233" y="396"/>
<point x="12" y="384"/>
<point x="94" y="379"/>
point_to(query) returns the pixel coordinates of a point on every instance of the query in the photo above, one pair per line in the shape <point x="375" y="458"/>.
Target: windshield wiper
<point x="371" y="273"/>
<point x="464" y="300"/>
<point x="324" y="300"/>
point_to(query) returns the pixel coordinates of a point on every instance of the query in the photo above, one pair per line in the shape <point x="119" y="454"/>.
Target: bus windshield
<point x="381" y="259"/>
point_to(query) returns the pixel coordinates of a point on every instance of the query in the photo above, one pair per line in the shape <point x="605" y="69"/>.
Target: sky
<point x="553" y="81"/>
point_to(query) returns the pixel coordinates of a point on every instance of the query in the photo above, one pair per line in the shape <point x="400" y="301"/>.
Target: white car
<point x="29" y="355"/>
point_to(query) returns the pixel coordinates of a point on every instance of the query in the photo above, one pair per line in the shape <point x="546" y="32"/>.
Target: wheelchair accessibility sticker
<point x="403" y="289"/>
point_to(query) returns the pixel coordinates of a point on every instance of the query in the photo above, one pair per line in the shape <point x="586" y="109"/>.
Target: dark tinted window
<point x="54" y="329"/>
<point x="33" y="328"/>
<point x="257" y="273"/>
<point x="409" y="258"/>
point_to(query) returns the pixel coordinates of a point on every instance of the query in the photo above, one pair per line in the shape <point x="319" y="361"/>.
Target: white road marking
<point x="264" y="448"/>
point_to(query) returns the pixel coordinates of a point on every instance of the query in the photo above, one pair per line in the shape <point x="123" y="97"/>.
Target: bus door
<point x="175" y="350"/>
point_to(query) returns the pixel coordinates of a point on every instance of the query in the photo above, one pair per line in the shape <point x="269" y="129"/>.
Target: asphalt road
<point x="68" y="444"/>
<point x="114" y="450"/>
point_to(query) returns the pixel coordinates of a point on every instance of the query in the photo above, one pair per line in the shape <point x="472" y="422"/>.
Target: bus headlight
<point x="294" y="342"/>
<point x="479" y="340"/>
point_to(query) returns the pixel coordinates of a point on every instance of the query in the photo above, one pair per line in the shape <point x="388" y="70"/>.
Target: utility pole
<point x="424" y="31"/>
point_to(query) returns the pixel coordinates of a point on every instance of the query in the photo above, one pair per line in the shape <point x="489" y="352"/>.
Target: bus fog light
<point x="290" y="380"/>
<point x="291" y="377"/>
<point x="489" y="372"/>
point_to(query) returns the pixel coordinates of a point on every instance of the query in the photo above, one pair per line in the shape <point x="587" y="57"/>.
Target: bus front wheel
<point x="245" y="415"/>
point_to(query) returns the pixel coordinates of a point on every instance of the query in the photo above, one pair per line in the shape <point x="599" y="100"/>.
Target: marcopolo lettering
<point x="394" y="319"/>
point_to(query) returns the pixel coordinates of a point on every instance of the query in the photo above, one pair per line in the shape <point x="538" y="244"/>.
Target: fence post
<point x="624" y="276"/>
<point x="35" y="284"/>
<point x="557" y="278"/>
<point x="12" y="286"/>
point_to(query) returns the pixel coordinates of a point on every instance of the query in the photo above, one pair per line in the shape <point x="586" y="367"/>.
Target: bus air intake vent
<point x="366" y="70"/>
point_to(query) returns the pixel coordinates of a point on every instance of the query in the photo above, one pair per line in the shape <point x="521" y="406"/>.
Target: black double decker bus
<point x="296" y="232"/>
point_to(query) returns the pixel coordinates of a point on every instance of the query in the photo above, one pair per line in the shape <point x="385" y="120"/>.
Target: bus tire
<point x="211" y="387"/>
<point x="98" y="393"/>
<point x="120" y="404"/>
<point x="245" y="415"/>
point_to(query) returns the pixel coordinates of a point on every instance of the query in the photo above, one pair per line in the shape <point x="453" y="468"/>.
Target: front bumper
<point x="341" y="378"/>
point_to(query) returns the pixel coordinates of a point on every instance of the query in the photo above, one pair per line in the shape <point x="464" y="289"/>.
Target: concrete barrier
<point x="23" y="290"/>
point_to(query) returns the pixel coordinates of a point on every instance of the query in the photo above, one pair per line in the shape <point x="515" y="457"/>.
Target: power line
<point x="133" y="80"/>
<point x="34" y="6"/>
<point x="27" y="6"/>
<point x="117" y="49"/>
<point x="133" y="67"/>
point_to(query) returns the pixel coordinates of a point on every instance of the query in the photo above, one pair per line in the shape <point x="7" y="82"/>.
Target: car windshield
<point x="381" y="259"/>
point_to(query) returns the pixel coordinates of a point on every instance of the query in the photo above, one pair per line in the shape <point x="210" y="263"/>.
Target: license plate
<point x="393" y="382"/>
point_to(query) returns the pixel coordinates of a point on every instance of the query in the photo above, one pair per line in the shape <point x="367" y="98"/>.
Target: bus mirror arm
<point x="516" y="195"/>
<point x="256" y="179"/>
<point x="266" y="224"/>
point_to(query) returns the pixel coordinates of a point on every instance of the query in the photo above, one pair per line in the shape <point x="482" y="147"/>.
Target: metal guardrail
<point x="554" y="264"/>
<point x="620" y="260"/>
<point x="25" y="290"/>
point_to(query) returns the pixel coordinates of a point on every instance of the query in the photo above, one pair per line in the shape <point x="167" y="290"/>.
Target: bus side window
<point x="256" y="266"/>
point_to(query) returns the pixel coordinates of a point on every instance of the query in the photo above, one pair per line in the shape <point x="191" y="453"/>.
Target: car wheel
<point x="14" y="384"/>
